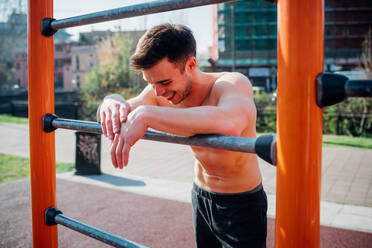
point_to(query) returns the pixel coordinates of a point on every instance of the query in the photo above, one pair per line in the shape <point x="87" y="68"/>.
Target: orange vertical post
<point x="214" y="50"/>
<point x="40" y="102"/>
<point x="299" y="123"/>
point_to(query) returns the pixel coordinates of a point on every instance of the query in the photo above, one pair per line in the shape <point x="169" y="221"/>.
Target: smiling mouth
<point x="171" y="97"/>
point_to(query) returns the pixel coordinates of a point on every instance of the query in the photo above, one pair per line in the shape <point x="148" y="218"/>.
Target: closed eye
<point x="165" y="83"/>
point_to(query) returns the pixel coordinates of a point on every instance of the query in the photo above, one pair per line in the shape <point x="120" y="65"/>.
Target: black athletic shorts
<point x="229" y="220"/>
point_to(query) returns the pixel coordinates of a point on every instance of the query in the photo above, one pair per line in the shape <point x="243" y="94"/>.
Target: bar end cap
<point x="330" y="89"/>
<point x="266" y="148"/>
<point x="50" y="215"/>
<point x="46" y="28"/>
<point x="47" y="122"/>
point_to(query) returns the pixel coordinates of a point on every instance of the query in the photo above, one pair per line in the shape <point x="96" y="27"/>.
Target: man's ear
<point x="190" y="64"/>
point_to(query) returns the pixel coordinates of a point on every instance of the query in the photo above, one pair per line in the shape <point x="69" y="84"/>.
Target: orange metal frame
<point x="42" y="145"/>
<point x="299" y="123"/>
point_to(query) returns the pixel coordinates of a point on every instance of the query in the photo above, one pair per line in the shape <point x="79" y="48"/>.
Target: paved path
<point x="346" y="172"/>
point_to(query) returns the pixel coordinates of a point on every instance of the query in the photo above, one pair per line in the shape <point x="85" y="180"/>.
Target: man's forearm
<point x="191" y="121"/>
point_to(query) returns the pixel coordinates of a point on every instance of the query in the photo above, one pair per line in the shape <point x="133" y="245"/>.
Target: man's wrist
<point x="98" y="113"/>
<point x="145" y="114"/>
<point x="114" y="97"/>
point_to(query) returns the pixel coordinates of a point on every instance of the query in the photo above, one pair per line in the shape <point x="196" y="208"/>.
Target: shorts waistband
<point x="235" y="197"/>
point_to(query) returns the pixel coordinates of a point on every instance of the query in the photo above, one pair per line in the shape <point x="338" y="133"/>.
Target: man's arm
<point x="114" y="110"/>
<point x="234" y="112"/>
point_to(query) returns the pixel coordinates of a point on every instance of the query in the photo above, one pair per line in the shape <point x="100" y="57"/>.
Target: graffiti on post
<point x="88" y="147"/>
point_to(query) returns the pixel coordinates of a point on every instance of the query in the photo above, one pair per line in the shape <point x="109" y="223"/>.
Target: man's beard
<point x="187" y="91"/>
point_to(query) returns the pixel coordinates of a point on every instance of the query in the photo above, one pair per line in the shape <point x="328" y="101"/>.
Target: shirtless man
<point x="228" y="200"/>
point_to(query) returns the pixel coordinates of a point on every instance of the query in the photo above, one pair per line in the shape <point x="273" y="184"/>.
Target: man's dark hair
<point x="176" y="42"/>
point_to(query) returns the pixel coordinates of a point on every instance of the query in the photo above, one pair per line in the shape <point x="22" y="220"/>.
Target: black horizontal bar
<point x="333" y="88"/>
<point x="358" y="88"/>
<point x="264" y="146"/>
<point x="130" y="11"/>
<point x="232" y="143"/>
<point x="54" y="216"/>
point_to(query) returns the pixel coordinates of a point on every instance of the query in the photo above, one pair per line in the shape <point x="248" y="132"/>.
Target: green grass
<point x="12" y="119"/>
<point x="348" y="141"/>
<point x="14" y="167"/>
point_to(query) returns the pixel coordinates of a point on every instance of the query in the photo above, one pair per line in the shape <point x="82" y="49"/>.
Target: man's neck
<point x="202" y="84"/>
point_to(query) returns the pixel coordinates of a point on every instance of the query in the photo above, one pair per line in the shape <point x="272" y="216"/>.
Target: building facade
<point x="62" y="66"/>
<point x="83" y="59"/>
<point x="72" y="60"/>
<point x="346" y="25"/>
<point x="247" y="37"/>
<point x="20" y="69"/>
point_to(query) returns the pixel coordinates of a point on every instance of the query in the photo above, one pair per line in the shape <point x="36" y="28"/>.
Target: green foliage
<point x="366" y="57"/>
<point x="6" y="76"/>
<point x="5" y="118"/>
<point x="112" y="75"/>
<point x="266" y="113"/>
<point x="14" y="167"/>
<point x="352" y="117"/>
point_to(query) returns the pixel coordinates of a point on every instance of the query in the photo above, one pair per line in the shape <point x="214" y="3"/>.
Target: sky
<point x="199" y="19"/>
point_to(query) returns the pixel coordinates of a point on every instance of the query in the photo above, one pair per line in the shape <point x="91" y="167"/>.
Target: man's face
<point x="168" y="81"/>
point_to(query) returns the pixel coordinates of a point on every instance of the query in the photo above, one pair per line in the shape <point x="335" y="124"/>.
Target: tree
<point x="366" y="57"/>
<point x="6" y="76"/>
<point x="13" y="32"/>
<point x="112" y="75"/>
<point x="13" y="37"/>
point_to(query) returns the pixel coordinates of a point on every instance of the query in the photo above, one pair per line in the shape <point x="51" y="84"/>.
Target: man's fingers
<point x="110" y="133"/>
<point x="126" y="150"/>
<point x="123" y="113"/>
<point x="113" y="151"/>
<point x="103" y="123"/>
<point x="119" y="151"/>
<point x="115" y="115"/>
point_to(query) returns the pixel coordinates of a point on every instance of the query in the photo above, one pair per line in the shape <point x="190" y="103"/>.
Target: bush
<point x="352" y="117"/>
<point x="112" y="75"/>
<point x="266" y="113"/>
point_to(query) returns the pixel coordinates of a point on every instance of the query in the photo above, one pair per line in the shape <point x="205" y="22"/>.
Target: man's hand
<point x="113" y="111"/>
<point x="131" y="131"/>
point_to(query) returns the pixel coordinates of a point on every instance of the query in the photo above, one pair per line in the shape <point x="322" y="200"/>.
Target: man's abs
<point x="226" y="171"/>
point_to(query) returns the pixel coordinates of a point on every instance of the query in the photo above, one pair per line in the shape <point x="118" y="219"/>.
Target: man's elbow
<point x="232" y="128"/>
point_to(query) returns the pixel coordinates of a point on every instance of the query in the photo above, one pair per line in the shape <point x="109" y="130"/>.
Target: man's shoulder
<point x="233" y="81"/>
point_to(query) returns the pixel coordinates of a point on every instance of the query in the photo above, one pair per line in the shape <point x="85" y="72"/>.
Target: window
<point x="58" y="82"/>
<point x="78" y="81"/>
<point x="77" y="60"/>
<point x="59" y="48"/>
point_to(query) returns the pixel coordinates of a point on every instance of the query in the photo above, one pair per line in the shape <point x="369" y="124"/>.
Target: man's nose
<point x="159" y="91"/>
